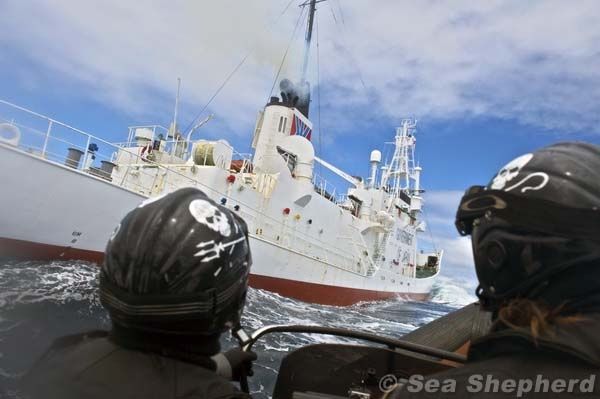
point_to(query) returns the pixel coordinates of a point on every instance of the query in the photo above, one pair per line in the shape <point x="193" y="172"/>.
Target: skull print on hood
<point x="177" y="264"/>
<point x="535" y="228"/>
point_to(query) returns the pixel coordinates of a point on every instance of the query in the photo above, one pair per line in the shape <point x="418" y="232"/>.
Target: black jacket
<point x="92" y="366"/>
<point x="570" y="354"/>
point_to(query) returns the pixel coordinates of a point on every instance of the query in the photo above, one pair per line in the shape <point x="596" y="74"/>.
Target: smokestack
<point x="295" y="96"/>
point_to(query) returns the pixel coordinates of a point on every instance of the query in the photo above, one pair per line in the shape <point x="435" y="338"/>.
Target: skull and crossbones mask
<point x="209" y="215"/>
<point x="509" y="172"/>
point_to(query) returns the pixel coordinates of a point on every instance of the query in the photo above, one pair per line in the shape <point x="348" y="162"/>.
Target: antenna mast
<point x="401" y="170"/>
<point x="311" y="18"/>
<point x="174" y="127"/>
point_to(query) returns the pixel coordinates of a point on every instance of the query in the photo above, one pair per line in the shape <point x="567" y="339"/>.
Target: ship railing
<point x="325" y="188"/>
<point x="61" y="144"/>
<point x="329" y="191"/>
<point x="341" y="199"/>
<point x="57" y="142"/>
<point x="50" y="139"/>
<point x="286" y="234"/>
<point x="246" y="159"/>
<point x="157" y="131"/>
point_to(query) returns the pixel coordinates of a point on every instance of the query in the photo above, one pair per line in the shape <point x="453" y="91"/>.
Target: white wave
<point x="75" y="283"/>
<point x="8" y="328"/>
<point x="58" y="282"/>
<point x="11" y="375"/>
<point x="451" y="292"/>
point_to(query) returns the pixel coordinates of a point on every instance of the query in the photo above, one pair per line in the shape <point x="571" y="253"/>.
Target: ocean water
<point x="40" y="301"/>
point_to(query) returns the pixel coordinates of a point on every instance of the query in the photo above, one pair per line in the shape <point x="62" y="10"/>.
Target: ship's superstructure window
<point x="284" y="124"/>
<point x="356" y="204"/>
<point x="405" y="197"/>
<point x="290" y="159"/>
<point x="280" y="128"/>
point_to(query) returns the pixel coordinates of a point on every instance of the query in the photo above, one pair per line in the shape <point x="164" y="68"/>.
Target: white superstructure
<point x="65" y="190"/>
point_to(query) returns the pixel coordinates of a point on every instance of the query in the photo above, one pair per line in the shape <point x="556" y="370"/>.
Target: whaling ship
<point x="64" y="191"/>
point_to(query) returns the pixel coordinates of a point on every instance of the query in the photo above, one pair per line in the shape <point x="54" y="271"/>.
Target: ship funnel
<point x="375" y="160"/>
<point x="295" y="96"/>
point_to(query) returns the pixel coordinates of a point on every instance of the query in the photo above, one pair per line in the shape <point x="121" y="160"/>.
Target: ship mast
<point x="312" y="4"/>
<point x="401" y="170"/>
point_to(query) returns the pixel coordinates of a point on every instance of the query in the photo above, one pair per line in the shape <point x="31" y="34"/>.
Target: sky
<point x="488" y="81"/>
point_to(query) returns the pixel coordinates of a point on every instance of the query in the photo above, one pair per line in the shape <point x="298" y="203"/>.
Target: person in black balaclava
<point x="174" y="277"/>
<point x="535" y="232"/>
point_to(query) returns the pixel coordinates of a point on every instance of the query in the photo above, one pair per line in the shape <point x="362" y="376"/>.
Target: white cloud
<point x="440" y="210"/>
<point x="440" y="207"/>
<point x="534" y="61"/>
<point x="128" y="55"/>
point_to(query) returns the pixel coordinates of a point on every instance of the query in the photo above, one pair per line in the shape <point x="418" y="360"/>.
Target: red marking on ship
<point x="308" y="292"/>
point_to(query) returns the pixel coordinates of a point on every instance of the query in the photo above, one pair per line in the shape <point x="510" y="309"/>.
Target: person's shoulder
<point x="198" y="382"/>
<point x="82" y="345"/>
<point x="74" y="339"/>
<point x="67" y="357"/>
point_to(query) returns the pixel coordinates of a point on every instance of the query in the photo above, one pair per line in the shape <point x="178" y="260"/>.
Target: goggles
<point x="528" y="213"/>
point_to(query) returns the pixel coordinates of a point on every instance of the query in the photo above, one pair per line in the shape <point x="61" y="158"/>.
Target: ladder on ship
<point x="378" y="253"/>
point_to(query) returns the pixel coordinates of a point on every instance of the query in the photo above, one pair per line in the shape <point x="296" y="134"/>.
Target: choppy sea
<point x="40" y="301"/>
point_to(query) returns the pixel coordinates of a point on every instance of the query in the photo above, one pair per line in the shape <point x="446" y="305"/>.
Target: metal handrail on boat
<point x="48" y="144"/>
<point x="248" y="341"/>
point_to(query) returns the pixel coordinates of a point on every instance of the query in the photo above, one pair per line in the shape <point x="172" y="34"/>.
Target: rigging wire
<point x="319" y="97"/>
<point x="237" y="67"/>
<point x="341" y="13"/>
<point x="345" y="44"/>
<point x="430" y="232"/>
<point x="342" y="29"/>
<point x="286" y="8"/>
<point x="333" y="15"/>
<point x="216" y="93"/>
<point x="286" y="51"/>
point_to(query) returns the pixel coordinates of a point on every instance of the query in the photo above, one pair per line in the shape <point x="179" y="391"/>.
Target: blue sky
<point x="488" y="81"/>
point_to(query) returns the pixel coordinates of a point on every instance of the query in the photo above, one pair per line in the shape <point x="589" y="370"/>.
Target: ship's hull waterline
<point x="53" y="212"/>
<point x="308" y="292"/>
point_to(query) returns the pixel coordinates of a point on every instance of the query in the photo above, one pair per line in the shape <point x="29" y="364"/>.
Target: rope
<point x="430" y="232"/>
<point x="237" y="67"/>
<point x="286" y="51"/>
<point x="345" y="45"/>
<point x="319" y="98"/>
<point x="341" y="13"/>
<point x="352" y="58"/>
<point x="218" y="91"/>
